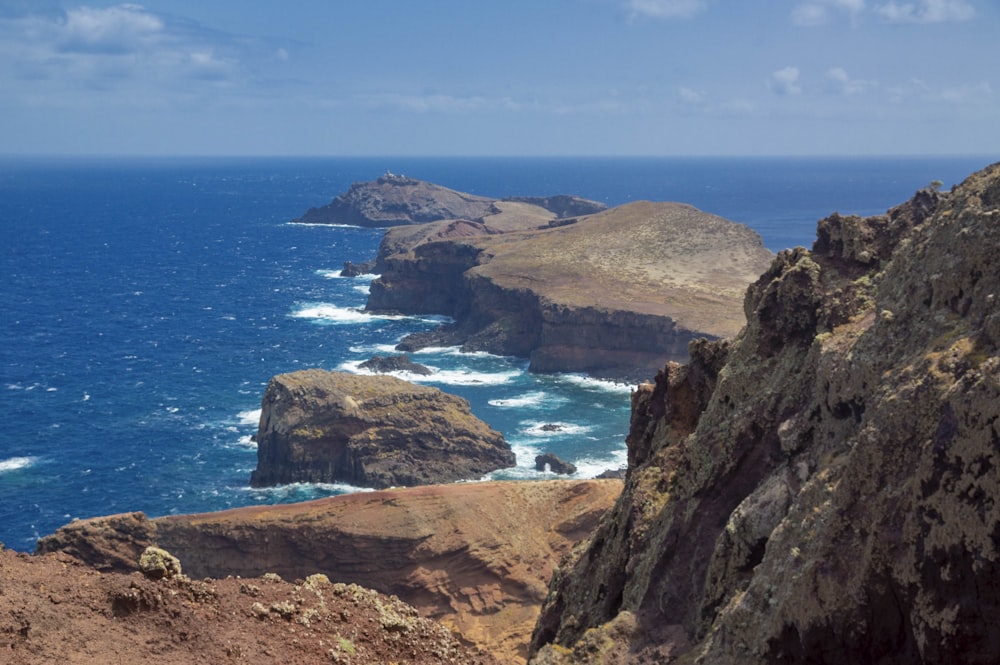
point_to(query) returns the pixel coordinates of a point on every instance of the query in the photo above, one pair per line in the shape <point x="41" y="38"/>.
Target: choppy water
<point x="146" y="303"/>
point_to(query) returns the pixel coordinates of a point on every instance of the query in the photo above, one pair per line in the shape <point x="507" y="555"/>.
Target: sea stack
<point x="370" y="431"/>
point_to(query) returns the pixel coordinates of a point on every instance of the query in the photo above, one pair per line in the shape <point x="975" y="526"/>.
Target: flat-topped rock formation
<point x="823" y="488"/>
<point x="614" y="294"/>
<point x="370" y="431"/>
<point x="475" y="556"/>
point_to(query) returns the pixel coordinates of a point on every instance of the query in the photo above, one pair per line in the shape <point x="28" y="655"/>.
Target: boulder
<point x="554" y="464"/>
<point x="388" y="364"/>
<point x="370" y="431"/>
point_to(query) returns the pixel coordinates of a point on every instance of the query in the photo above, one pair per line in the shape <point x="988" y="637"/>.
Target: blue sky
<point x="518" y="77"/>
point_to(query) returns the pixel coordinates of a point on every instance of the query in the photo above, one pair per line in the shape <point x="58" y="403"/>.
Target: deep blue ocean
<point x="146" y="303"/>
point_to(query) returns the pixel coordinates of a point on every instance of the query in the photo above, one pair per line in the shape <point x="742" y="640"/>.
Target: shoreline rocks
<point x="370" y="431"/>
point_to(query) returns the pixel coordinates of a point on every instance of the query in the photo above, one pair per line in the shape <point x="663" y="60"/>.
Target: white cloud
<point x="926" y="11"/>
<point x="666" y="8"/>
<point x="821" y="12"/>
<point x="438" y="103"/>
<point x="112" y="30"/>
<point x="846" y="85"/>
<point x="968" y="93"/>
<point x="689" y="96"/>
<point x="785" y="81"/>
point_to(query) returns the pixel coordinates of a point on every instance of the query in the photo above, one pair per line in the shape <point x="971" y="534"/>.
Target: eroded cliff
<point x="370" y="431"/>
<point x="614" y="294"/>
<point x="821" y="489"/>
<point x="475" y="556"/>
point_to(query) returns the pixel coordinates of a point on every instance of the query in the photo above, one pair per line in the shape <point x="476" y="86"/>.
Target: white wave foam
<point x="246" y="441"/>
<point x="305" y="491"/>
<point x="329" y="274"/>
<point x="543" y="429"/>
<point x="366" y="289"/>
<point x="15" y="463"/>
<point x="373" y="348"/>
<point x="324" y="226"/>
<point x="249" y="417"/>
<point x="590" y="382"/>
<point x="534" y="399"/>
<point x="451" y="377"/>
<point x="333" y="314"/>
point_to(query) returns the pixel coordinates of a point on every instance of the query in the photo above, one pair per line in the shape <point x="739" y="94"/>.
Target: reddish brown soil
<point x="54" y="609"/>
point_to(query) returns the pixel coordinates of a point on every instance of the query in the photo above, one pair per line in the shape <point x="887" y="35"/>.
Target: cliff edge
<point x="475" y="556"/>
<point x="614" y="294"/>
<point x="370" y="431"/>
<point x="822" y="488"/>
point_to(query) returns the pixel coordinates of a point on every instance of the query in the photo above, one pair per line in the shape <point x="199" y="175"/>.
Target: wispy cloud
<point x="111" y="30"/>
<point x="437" y="103"/>
<point x="844" y="84"/>
<point x="926" y="11"/>
<point x="785" y="81"/>
<point x="666" y="9"/>
<point x="821" y="12"/>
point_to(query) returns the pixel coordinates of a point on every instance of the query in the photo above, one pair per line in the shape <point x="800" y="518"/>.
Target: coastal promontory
<point x="614" y="294"/>
<point x="370" y="431"/>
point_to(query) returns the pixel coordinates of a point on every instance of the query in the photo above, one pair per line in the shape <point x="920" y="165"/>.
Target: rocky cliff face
<point x="476" y="556"/>
<point x="822" y="489"/>
<point x="615" y="294"/>
<point x="370" y="431"/>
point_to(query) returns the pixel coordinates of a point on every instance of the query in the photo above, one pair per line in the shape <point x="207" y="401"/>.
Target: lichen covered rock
<point x="823" y="488"/>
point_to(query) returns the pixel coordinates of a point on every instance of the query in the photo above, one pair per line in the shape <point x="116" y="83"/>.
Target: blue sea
<point x="146" y="303"/>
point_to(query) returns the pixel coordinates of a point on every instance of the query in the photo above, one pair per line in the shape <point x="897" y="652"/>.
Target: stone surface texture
<point x="823" y="488"/>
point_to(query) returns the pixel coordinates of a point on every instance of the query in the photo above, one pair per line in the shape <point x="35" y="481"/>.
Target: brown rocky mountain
<point x="54" y="609"/>
<point x="475" y="556"/>
<point x="614" y="294"/>
<point x="823" y="488"/>
<point x="370" y="431"/>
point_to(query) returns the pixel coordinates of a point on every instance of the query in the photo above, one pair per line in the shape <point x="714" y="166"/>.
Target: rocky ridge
<point x="475" y="556"/>
<point x="370" y="431"/>
<point x="821" y="489"/>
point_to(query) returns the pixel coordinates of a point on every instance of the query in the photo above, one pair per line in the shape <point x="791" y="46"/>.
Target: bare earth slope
<point x="822" y="489"/>
<point x="475" y="556"/>
<point x="616" y="293"/>
<point x="53" y="609"/>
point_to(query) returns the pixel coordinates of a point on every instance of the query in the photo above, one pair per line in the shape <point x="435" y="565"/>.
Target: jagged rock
<point x="370" y="431"/>
<point x="387" y="364"/>
<point x="352" y="269"/>
<point x="475" y="556"/>
<point x="554" y="464"/>
<point x="822" y="488"/>
<point x="611" y="473"/>
<point x="615" y="294"/>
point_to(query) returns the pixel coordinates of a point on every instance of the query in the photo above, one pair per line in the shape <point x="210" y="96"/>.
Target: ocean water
<point x="146" y="303"/>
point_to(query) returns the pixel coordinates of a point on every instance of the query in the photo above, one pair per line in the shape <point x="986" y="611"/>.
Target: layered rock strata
<point x="822" y="489"/>
<point x="615" y="294"/>
<point x="476" y="556"/>
<point x="370" y="431"/>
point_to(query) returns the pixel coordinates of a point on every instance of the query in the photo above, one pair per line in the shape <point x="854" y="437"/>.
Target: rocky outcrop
<point x="54" y="609"/>
<point x="388" y="364"/>
<point x="476" y="556"/>
<point x="822" y="488"/>
<point x="552" y="463"/>
<point x="370" y="431"/>
<point x="615" y="294"/>
<point x="393" y="200"/>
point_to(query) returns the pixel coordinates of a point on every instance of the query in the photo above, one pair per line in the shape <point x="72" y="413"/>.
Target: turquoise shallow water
<point x="147" y="302"/>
